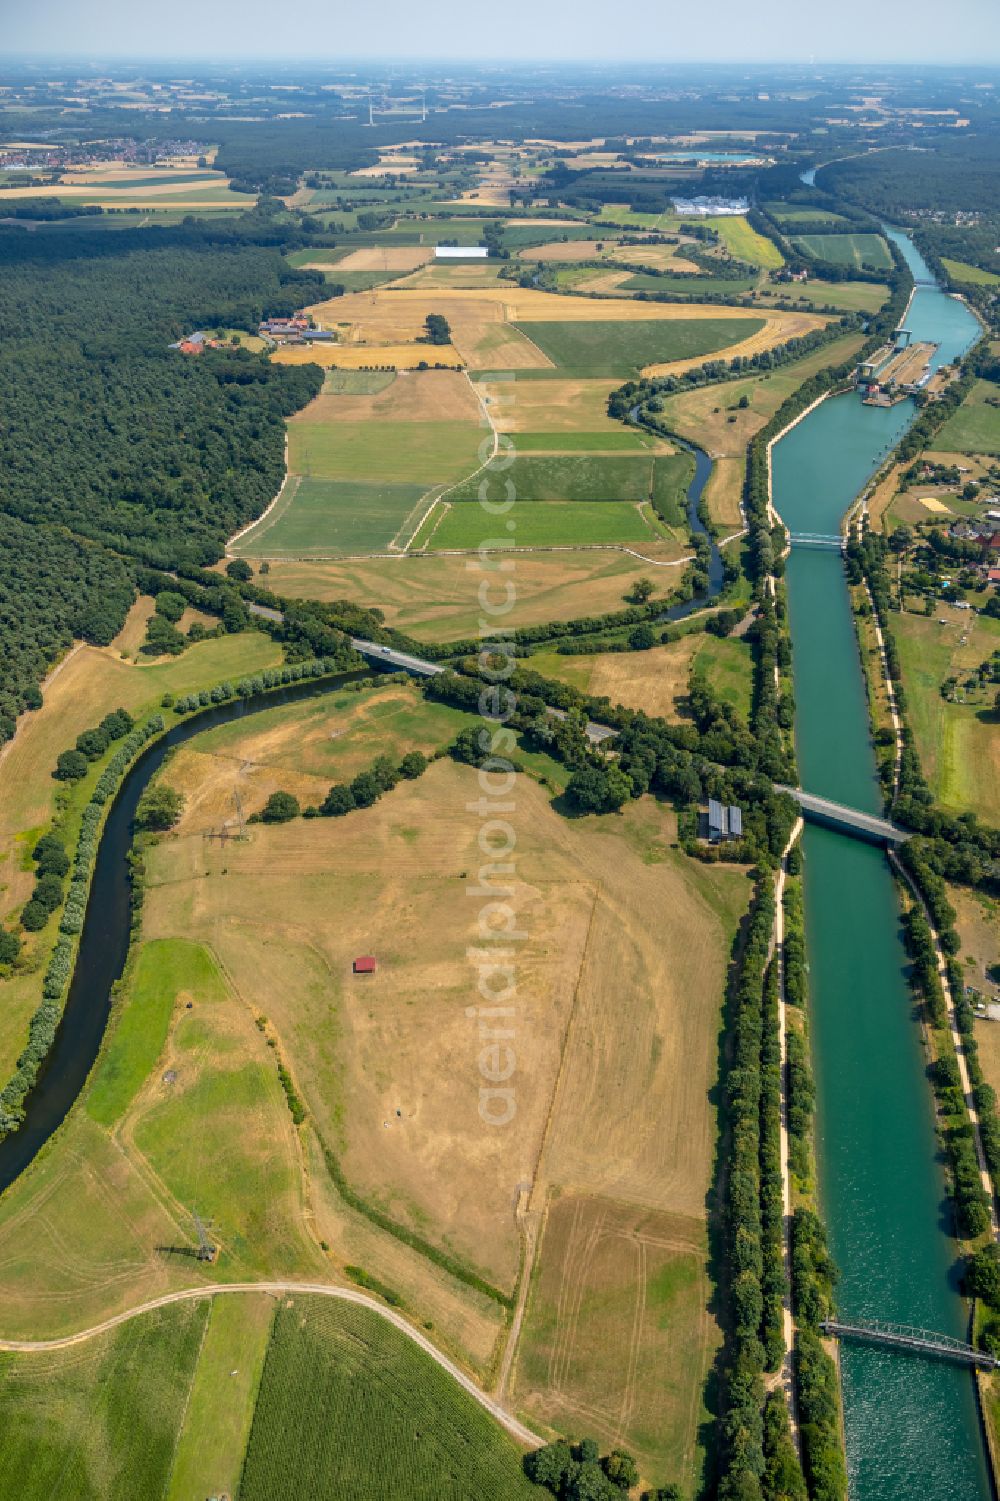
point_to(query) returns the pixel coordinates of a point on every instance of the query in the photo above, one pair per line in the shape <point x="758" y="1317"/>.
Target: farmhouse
<point x="461" y="252"/>
<point x="724" y="822"/>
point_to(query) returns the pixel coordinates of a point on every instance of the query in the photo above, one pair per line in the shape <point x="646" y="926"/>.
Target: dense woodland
<point x="113" y="446"/>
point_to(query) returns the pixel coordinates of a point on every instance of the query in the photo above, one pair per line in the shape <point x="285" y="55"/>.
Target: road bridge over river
<point x="847" y="820"/>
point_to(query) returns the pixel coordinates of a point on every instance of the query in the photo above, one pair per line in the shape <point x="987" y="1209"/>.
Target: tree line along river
<point x="912" y="1424"/>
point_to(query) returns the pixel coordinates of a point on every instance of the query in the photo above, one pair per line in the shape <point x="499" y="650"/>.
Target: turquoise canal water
<point x="912" y="1425"/>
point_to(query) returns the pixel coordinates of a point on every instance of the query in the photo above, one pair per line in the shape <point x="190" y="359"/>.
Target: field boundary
<point x="394" y="544"/>
<point x="270" y="507"/>
<point x="506" y="1419"/>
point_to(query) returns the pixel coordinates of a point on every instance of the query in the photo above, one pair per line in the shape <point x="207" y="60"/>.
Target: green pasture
<point x="101" y="1420"/>
<point x="331" y="517"/>
<point x="847" y="250"/>
<point x="544" y="523"/>
<point x="408" y="453"/>
<point x="975" y="427"/>
<point x="349" y="1407"/>
<point x="623" y="347"/>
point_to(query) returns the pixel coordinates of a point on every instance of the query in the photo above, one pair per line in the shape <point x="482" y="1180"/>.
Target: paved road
<point x="517" y="1429"/>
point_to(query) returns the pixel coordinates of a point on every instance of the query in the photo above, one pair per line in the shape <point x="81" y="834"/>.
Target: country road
<point x="518" y="1430"/>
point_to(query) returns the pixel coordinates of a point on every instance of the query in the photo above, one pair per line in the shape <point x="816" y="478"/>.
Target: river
<point x="912" y="1425"/>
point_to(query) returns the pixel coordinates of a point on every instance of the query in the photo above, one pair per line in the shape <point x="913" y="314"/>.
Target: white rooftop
<point x="461" y="252"/>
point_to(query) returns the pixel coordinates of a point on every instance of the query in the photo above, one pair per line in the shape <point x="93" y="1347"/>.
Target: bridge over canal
<point x="903" y="1337"/>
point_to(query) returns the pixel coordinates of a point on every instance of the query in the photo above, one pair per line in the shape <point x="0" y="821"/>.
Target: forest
<point x="115" y="449"/>
<point x="951" y="175"/>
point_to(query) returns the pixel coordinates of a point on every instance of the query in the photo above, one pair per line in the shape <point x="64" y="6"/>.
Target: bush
<point x="10" y="946"/>
<point x="413" y="764"/>
<point x="280" y="808"/>
<point x="170" y="605"/>
<point x="70" y="766"/>
<point x="34" y="916"/>
<point x="338" y="801"/>
<point x="159" y="808"/>
<point x="240" y="571"/>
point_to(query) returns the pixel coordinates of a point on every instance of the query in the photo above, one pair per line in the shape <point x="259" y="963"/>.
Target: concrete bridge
<point x="824" y="810"/>
<point x="903" y="1337"/>
<point x="834" y="542"/>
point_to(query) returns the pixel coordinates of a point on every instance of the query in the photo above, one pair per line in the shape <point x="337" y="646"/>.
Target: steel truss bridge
<point x="903" y="1337"/>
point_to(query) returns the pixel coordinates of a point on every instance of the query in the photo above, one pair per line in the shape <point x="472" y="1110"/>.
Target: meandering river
<point x="912" y="1425"/>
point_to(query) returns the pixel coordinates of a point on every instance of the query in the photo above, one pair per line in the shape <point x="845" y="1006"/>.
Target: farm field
<point x="657" y="680"/>
<point x="745" y="243"/>
<point x="213" y="1438"/>
<point x="303" y="747"/>
<point x="430" y="595"/>
<point x="359" y="1053"/>
<point x="616" y="1275"/>
<point x="551" y="406"/>
<point x="656" y="256"/>
<point x="348" y="1407"/>
<point x="704" y="285"/>
<point x="360" y="461"/>
<point x="713" y="418"/>
<point x="91" y="683"/>
<point x="974" y="276"/>
<point x="624" y="348"/>
<point x="100" y="1420"/>
<point x="362" y="356"/>
<point x="975" y="427"/>
<point x="497" y="328"/>
<point x="851" y="296"/>
<point x="847" y="249"/>
<point x="583" y="476"/>
<point x="623" y="441"/>
<point x="958" y="744"/>
<point x="550" y="523"/>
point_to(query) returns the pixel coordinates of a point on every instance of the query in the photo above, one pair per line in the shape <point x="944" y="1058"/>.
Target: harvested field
<point x="436" y="597"/>
<point x="454" y="278"/>
<point x="656" y="256"/>
<point x="561" y="406"/>
<point x="597" y="898"/>
<point x="362" y="356"/>
<point x="480" y="321"/>
<point x="434" y="396"/>
<point x="613" y="1276"/>
<point x="386" y="258"/>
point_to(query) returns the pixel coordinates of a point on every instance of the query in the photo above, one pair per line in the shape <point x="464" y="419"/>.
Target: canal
<point x="912" y="1425"/>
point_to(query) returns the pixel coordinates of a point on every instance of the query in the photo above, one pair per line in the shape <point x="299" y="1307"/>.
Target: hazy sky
<point x="649" y="30"/>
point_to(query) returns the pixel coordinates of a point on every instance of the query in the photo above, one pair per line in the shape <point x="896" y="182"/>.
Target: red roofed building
<point x="365" y="965"/>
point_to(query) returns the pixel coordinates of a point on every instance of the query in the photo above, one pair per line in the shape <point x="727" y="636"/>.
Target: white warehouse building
<point x="461" y="252"/>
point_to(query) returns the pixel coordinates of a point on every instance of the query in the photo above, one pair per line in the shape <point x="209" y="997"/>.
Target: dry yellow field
<point x="660" y="257"/>
<point x="386" y="257"/>
<point x="436" y="597"/>
<point x="387" y="1064"/>
<point x="364" y="356"/>
<point x="545" y="406"/>
<point x="480" y="319"/>
<point x="633" y="1281"/>
<point x="414" y="396"/>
